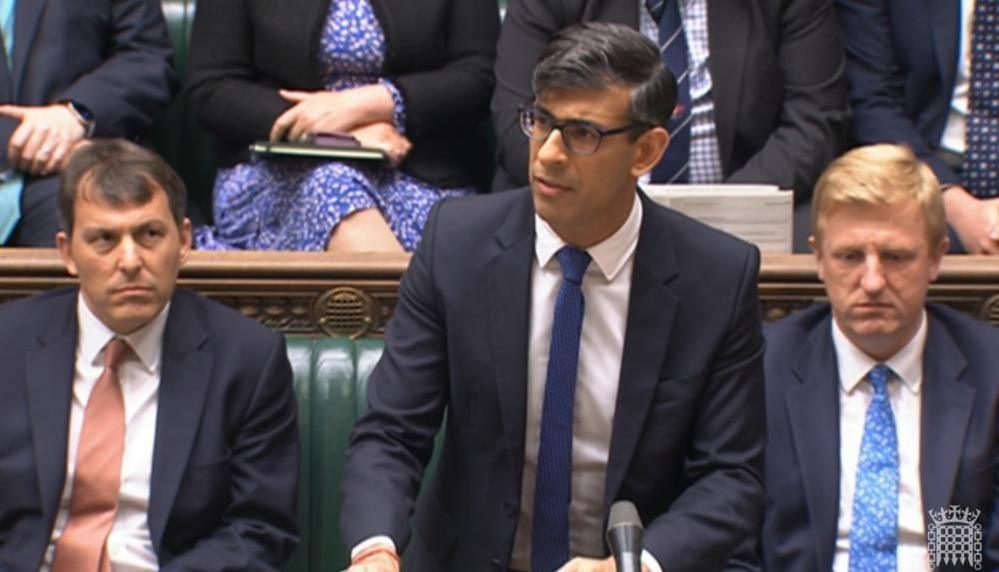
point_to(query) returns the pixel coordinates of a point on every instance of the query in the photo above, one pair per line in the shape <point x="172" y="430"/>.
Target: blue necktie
<point x="675" y="164"/>
<point x="553" y="490"/>
<point x="11" y="181"/>
<point x="981" y="158"/>
<point x="874" y="530"/>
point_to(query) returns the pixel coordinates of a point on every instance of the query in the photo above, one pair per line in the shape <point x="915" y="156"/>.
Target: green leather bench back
<point x="177" y="137"/>
<point x="331" y="383"/>
<point x="331" y="376"/>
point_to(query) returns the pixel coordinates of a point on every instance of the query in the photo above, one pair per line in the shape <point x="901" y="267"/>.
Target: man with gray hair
<point x="585" y="344"/>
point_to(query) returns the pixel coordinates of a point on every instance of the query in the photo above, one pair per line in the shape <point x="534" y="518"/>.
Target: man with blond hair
<point x="881" y="408"/>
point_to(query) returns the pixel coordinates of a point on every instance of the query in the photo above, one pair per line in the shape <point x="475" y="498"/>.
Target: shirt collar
<point x="854" y="364"/>
<point x="609" y="255"/>
<point x="146" y="342"/>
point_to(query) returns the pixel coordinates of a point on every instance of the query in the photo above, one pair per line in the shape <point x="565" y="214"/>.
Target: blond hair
<point x="882" y="175"/>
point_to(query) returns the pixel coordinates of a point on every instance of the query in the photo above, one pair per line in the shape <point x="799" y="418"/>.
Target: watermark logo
<point x="954" y="537"/>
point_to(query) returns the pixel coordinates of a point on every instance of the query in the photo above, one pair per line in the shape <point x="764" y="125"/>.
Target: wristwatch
<point x="84" y="116"/>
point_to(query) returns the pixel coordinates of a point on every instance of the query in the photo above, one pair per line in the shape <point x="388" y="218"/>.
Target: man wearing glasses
<point x="585" y="344"/>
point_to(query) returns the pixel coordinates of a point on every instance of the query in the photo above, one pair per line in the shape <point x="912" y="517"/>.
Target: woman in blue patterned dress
<point x="410" y="77"/>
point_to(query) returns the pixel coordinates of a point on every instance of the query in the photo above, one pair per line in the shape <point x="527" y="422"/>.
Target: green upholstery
<point x="331" y="381"/>
<point x="177" y="137"/>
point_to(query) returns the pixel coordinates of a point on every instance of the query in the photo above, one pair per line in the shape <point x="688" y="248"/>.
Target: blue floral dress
<point x="291" y="204"/>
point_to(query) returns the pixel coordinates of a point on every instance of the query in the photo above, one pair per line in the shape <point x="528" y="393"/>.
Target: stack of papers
<point x="760" y="214"/>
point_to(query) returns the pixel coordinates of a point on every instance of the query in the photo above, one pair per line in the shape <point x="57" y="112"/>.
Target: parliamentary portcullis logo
<point x="954" y="537"/>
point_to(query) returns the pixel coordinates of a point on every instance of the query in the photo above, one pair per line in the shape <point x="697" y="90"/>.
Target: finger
<point x="293" y="96"/>
<point x="300" y="129"/>
<point x="283" y="122"/>
<point x="59" y="153"/>
<point x="29" y="153"/>
<point x="989" y="247"/>
<point x="17" y="140"/>
<point x="15" y="111"/>
<point x="42" y="157"/>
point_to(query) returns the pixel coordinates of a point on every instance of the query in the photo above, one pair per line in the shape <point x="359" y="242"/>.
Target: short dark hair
<point x="121" y="173"/>
<point x="596" y="55"/>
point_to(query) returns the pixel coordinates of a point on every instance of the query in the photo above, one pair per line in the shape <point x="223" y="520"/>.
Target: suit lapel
<point x="50" y="391"/>
<point x="651" y="309"/>
<point x="508" y="273"/>
<point x="184" y="380"/>
<point x="946" y="410"/>
<point x="813" y="411"/>
<point x="944" y="16"/>
<point x="727" y="35"/>
<point x="26" y="20"/>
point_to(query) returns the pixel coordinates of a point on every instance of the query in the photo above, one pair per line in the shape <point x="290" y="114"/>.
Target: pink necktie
<point x="83" y="544"/>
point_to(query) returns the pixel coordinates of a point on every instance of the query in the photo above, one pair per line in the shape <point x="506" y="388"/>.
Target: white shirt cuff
<point x="376" y="540"/>
<point x="650" y="562"/>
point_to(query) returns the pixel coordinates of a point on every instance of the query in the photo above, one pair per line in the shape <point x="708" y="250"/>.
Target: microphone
<point x="624" y="535"/>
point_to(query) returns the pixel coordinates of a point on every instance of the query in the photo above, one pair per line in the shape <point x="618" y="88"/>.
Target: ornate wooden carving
<point x="354" y="295"/>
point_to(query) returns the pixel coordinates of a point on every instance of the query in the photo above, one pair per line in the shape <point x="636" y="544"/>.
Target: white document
<point x="760" y="214"/>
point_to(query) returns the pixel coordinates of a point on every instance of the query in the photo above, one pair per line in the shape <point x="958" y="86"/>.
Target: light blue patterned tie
<point x="874" y="530"/>
<point x="981" y="159"/>
<point x="553" y="486"/>
<point x="11" y="181"/>
<point x="674" y="166"/>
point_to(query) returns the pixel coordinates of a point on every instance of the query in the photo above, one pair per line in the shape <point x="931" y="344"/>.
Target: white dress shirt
<point x="953" y="138"/>
<point x="130" y="546"/>
<point x="606" y="289"/>
<point x="855" y="396"/>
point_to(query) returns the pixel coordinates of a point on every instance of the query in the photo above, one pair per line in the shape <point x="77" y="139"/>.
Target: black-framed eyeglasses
<point x="580" y="137"/>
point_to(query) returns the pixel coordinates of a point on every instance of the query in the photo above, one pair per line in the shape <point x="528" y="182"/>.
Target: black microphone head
<point x="623" y="513"/>
<point x="624" y="536"/>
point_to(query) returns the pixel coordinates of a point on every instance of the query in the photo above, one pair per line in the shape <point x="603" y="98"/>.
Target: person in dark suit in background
<point x="142" y="427"/>
<point x="72" y="70"/>
<point x="644" y="384"/>
<point x="767" y="96"/>
<point x="410" y="78"/>
<point x="881" y="408"/>
<point x="917" y="79"/>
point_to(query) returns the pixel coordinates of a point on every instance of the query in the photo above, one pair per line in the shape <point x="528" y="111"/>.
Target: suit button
<point x="496" y="562"/>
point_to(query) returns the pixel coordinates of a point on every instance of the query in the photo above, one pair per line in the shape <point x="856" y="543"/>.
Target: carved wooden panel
<point x="355" y="295"/>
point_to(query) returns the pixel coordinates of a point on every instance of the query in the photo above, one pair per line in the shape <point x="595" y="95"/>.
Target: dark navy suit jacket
<point x="687" y="437"/>
<point x="225" y="457"/>
<point x="777" y="83"/>
<point x="901" y="65"/>
<point x="112" y="57"/>
<point x="959" y="452"/>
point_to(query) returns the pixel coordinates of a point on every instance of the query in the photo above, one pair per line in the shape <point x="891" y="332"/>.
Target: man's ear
<point x="813" y="243"/>
<point x="937" y="257"/>
<point x="186" y="240"/>
<point x="648" y="150"/>
<point x="63" y="245"/>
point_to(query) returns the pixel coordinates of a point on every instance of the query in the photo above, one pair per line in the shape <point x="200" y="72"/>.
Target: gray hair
<point x="596" y="55"/>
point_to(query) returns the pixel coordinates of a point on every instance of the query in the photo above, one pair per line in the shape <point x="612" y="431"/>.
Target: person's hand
<point x="383" y="135"/>
<point x="381" y="561"/>
<point x="331" y="111"/>
<point x="593" y="565"/>
<point x="976" y="221"/>
<point x="46" y="136"/>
